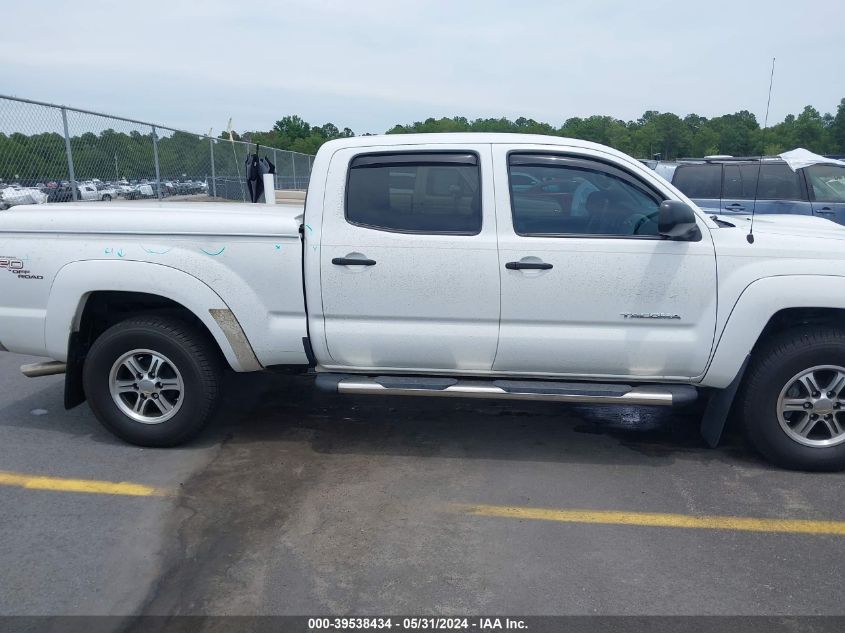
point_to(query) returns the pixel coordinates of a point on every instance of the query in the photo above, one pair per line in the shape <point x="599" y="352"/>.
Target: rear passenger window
<point x="699" y="181"/>
<point x="415" y="193"/>
<point x="777" y="182"/>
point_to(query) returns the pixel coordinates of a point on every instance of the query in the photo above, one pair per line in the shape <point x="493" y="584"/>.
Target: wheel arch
<point x="768" y="307"/>
<point x="788" y="318"/>
<point x="772" y="317"/>
<point x="92" y="294"/>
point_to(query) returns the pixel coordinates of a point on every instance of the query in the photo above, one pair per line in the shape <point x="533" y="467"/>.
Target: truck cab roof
<point x="458" y="138"/>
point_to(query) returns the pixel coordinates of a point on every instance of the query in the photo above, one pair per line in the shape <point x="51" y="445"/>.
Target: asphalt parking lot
<point x="297" y="503"/>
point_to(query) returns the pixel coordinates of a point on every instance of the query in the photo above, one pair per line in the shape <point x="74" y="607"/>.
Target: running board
<point x="549" y="391"/>
<point x="46" y="368"/>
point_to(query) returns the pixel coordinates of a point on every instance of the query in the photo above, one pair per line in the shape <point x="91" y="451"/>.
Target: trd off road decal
<point x="16" y="266"/>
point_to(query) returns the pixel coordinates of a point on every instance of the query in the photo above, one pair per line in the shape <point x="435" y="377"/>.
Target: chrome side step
<point x="549" y="391"/>
<point x="47" y="368"/>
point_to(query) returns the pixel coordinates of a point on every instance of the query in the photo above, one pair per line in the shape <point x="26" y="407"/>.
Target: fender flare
<point x="75" y="282"/>
<point x="753" y="310"/>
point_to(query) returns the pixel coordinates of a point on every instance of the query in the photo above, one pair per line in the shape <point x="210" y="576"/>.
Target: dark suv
<point x="59" y="194"/>
<point x="728" y="186"/>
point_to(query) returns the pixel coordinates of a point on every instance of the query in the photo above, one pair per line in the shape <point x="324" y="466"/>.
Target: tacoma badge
<point x="650" y="315"/>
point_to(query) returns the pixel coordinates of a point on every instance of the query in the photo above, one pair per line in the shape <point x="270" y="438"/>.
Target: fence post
<point x="293" y="167"/>
<point x="71" y="173"/>
<point x="155" y="159"/>
<point x="213" y="173"/>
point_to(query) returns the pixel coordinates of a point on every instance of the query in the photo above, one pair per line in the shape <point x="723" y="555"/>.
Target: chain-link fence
<point x="51" y="153"/>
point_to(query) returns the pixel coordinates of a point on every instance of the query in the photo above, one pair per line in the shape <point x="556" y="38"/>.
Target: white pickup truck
<point x="92" y="192"/>
<point x="417" y="268"/>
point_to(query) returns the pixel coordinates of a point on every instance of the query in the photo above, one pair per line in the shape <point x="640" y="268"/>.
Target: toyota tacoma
<point x="471" y="265"/>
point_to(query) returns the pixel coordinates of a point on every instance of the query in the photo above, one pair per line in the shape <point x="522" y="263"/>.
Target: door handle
<point x="735" y="207"/>
<point x="351" y="261"/>
<point x="826" y="211"/>
<point x="528" y="266"/>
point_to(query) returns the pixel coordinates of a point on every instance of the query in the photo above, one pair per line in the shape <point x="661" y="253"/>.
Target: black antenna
<point x="750" y="236"/>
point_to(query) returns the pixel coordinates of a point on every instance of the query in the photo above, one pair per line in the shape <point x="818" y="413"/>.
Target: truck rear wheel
<point x="793" y="401"/>
<point x="152" y="381"/>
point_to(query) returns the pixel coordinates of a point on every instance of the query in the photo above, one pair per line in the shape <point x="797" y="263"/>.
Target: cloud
<point x="370" y="64"/>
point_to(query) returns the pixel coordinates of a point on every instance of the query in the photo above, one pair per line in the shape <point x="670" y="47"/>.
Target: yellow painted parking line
<point x="92" y="486"/>
<point x="651" y="519"/>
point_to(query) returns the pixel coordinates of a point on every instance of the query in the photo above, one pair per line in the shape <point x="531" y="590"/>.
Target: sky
<point x="369" y="64"/>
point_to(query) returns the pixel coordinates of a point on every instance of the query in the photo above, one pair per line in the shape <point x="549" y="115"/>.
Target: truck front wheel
<point x="793" y="401"/>
<point x="152" y="381"/>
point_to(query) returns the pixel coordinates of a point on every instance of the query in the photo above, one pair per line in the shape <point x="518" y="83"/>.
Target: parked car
<point x="522" y="182"/>
<point x="151" y="189"/>
<point x="108" y="190"/>
<point x="186" y="187"/>
<point x="15" y="196"/>
<point x="459" y="285"/>
<point x="140" y="191"/>
<point x="728" y="185"/>
<point x="118" y="188"/>
<point x="91" y="192"/>
<point x="59" y="194"/>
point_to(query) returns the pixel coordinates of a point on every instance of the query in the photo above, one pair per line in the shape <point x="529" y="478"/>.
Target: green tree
<point x="674" y="135"/>
<point x="736" y="133"/>
<point x="292" y="127"/>
<point x="41" y="157"/>
<point x="809" y="130"/>
<point x="837" y="130"/>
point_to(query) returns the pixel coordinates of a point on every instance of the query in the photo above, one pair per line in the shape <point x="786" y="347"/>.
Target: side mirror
<point x="677" y="221"/>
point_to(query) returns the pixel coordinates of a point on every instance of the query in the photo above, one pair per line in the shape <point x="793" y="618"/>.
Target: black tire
<point x="773" y="366"/>
<point x="188" y="349"/>
<point x="107" y="198"/>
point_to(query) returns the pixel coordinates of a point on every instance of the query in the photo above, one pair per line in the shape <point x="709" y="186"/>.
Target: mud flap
<point x="719" y="407"/>
<point x="74" y="393"/>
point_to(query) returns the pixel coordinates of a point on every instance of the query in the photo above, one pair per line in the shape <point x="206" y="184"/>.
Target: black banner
<point x="312" y="624"/>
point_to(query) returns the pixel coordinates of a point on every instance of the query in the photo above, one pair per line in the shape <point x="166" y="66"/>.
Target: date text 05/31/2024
<point x="417" y="623"/>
